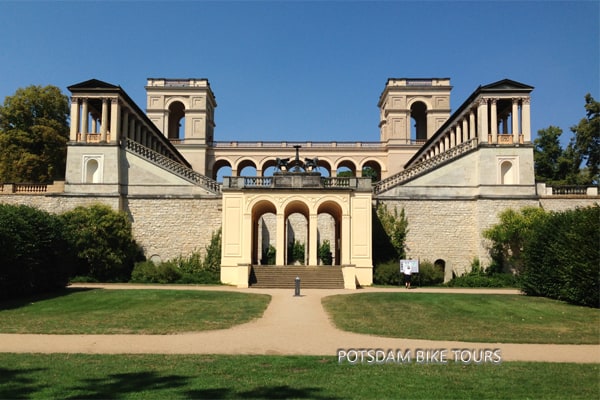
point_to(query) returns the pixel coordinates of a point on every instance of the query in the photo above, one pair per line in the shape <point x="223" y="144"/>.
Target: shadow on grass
<point x="120" y="385"/>
<point x="116" y="385"/>
<point x="27" y="300"/>
<point x="16" y="384"/>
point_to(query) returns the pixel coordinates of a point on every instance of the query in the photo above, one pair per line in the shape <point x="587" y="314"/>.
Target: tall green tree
<point x="586" y="141"/>
<point x="34" y="132"/>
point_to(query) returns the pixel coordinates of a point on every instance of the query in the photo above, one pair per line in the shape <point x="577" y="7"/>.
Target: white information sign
<point x="413" y="264"/>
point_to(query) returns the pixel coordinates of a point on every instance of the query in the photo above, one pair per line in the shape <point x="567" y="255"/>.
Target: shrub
<point x="430" y="274"/>
<point x="482" y="277"/>
<point x="389" y="234"/>
<point x="562" y="260"/>
<point x="387" y="274"/>
<point x="296" y="252"/>
<point x="325" y="253"/>
<point x="269" y="255"/>
<point x="102" y="242"/>
<point x="34" y="256"/>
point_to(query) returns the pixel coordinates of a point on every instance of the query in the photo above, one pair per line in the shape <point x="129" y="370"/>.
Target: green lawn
<point x="100" y="311"/>
<point x="465" y="317"/>
<point x="60" y="376"/>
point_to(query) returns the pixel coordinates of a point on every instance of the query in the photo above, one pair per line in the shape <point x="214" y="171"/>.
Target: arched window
<point x="92" y="169"/>
<point x="418" y="126"/>
<point x="177" y="121"/>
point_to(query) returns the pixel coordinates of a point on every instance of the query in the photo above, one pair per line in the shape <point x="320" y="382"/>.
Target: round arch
<point x="264" y="231"/>
<point x="329" y="229"/>
<point x="375" y="168"/>
<point x="296" y="229"/>
<point x="418" y="116"/>
<point x="176" y="114"/>
<point x="218" y="166"/>
<point x="346" y="164"/>
<point x="245" y="163"/>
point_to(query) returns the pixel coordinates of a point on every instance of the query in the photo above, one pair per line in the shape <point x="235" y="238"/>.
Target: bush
<point x="325" y="253"/>
<point x="387" y="274"/>
<point x="296" y="252"/>
<point x="102" y="242"/>
<point x="34" y="256"/>
<point x="430" y="274"/>
<point x="562" y="259"/>
<point x="481" y="277"/>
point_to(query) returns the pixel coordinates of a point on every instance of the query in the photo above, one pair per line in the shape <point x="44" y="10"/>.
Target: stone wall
<point x="168" y="228"/>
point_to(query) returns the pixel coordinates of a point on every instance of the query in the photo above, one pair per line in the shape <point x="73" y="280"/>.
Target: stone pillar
<point x="138" y="133"/>
<point x="515" y="120"/>
<point x="465" y="130"/>
<point x="132" y="125"/>
<point x="125" y="126"/>
<point x="345" y="246"/>
<point x="280" y="240"/>
<point x="482" y="120"/>
<point x="526" y="119"/>
<point x="472" y="129"/>
<point x="104" y="121"/>
<point x="494" y="121"/>
<point x="453" y="136"/>
<point x="84" y="119"/>
<point x="313" y="244"/>
<point x="74" y="119"/>
<point x="458" y="134"/>
<point x="115" y="120"/>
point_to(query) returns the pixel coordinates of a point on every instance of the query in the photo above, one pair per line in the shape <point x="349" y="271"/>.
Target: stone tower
<point x="412" y="110"/>
<point x="183" y="110"/>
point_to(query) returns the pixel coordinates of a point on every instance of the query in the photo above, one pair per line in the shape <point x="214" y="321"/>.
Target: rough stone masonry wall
<point x="441" y="230"/>
<point x="169" y="228"/>
<point x="58" y="204"/>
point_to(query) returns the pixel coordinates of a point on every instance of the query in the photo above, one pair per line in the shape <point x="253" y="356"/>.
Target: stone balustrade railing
<point x="296" y="181"/>
<point x="173" y="166"/>
<point x="426" y="165"/>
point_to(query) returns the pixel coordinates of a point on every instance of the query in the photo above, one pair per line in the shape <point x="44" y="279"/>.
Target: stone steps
<point x="311" y="277"/>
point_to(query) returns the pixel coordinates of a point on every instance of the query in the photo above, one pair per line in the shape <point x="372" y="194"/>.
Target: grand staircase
<point x="311" y="277"/>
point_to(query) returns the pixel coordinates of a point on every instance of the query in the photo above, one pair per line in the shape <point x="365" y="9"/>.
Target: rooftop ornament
<point x="297" y="166"/>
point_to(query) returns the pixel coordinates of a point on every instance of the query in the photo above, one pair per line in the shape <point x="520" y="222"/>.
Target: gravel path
<point x="290" y="325"/>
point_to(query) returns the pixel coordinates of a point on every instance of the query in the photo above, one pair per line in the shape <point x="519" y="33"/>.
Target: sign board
<point x="413" y="264"/>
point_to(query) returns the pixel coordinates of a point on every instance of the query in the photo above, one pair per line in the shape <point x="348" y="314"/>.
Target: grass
<point x="465" y="317"/>
<point x="39" y="376"/>
<point x="100" y="311"/>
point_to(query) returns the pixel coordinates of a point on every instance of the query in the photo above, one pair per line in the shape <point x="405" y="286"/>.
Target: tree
<point x="558" y="166"/>
<point x="33" y="135"/>
<point x="587" y="138"/>
<point x="395" y="226"/>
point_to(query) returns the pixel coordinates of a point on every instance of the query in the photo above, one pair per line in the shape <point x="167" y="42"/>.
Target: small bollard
<point x="297" y="290"/>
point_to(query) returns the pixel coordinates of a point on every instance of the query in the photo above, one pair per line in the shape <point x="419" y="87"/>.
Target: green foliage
<point x="557" y="166"/>
<point x="296" y="252"/>
<point x="587" y="139"/>
<point x="269" y="255"/>
<point x="191" y="269"/>
<point x="325" y="253"/>
<point x="389" y="234"/>
<point x="562" y="259"/>
<point x="387" y="273"/>
<point x="33" y="135"/>
<point x="102" y="241"/>
<point x="482" y="277"/>
<point x="430" y="274"/>
<point x="34" y="256"/>
<point x="509" y="236"/>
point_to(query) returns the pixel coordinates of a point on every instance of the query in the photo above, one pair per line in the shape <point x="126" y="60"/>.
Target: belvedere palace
<point x="452" y="172"/>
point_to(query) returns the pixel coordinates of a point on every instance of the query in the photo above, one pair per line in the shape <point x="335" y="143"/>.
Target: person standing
<point x="407" y="276"/>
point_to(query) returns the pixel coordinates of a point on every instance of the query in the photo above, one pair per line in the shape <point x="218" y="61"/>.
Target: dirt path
<point x="290" y="325"/>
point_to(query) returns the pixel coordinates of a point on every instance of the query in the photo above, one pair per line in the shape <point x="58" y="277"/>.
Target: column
<point x="104" y="122"/>
<point x="125" y="127"/>
<point x="494" y="121"/>
<point x="138" y="133"/>
<point x="74" y="119"/>
<point x="115" y="120"/>
<point x="515" y="120"/>
<point x="472" y="132"/>
<point x="482" y="120"/>
<point x="280" y="240"/>
<point x="84" y="120"/>
<point x="345" y="241"/>
<point x="313" y="245"/>
<point x="465" y="130"/>
<point x="459" y="133"/>
<point x="131" y="132"/>
<point x="453" y="136"/>
<point x="526" y="119"/>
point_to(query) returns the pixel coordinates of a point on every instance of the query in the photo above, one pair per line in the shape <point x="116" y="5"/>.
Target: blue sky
<point x="308" y="70"/>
